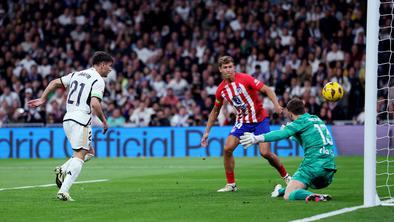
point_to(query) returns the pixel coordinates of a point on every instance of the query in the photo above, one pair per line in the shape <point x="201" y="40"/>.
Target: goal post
<point x="379" y="105"/>
<point x="370" y="195"/>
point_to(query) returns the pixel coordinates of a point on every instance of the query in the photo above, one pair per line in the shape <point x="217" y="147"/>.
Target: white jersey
<point x="82" y="86"/>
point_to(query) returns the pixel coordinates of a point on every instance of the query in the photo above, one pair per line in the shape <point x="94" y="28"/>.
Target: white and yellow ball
<point x="332" y="92"/>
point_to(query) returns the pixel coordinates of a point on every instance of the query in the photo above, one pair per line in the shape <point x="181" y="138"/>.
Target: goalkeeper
<point x="318" y="167"/>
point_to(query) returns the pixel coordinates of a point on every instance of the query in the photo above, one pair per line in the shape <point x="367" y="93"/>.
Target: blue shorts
<point x="257" y="128"/>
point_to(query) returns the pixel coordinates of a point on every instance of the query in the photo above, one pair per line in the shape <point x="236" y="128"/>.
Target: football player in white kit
<point x="85" y="91"/>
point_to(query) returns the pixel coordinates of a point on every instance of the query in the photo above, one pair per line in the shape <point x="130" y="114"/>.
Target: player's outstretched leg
<point x="296" y="190"/>
<point x="72" y="174"/>
<point x="60" y="173"/>
<point x="65" y="164"/>
<point x="60" y="170"/>
<point x="265" y="152"/>
<point x="302" y="194"/>
<point x="229" y="164"/>
<point x="299" y="194"/>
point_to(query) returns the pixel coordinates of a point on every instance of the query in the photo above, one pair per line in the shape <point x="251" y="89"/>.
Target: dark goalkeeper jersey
<point x="314" y="137"/>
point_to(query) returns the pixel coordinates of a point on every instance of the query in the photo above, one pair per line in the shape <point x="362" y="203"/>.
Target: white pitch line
<point x="329" y="214"/>
<point x="51" y="185"/>
<point x="388" y="202"/>
<point x="119" y="167"/>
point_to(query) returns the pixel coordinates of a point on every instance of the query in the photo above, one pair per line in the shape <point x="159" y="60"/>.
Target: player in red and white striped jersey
<point x="241" y="91"/>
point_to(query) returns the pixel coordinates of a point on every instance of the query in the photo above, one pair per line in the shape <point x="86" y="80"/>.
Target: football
<point x="332" y="92"/>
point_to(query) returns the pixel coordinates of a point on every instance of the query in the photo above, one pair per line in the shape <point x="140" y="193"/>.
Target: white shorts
<point x="79" y="136"/>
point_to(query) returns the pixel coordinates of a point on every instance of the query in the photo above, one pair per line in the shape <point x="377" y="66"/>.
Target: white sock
<point x="65" y="165"/>
<point x="72" y="173"/>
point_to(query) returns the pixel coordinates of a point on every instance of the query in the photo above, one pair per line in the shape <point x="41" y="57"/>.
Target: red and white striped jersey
<point x="242" y="94"/>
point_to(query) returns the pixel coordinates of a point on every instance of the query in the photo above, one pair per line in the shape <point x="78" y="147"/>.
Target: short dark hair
<point x="296" y="106"/>
<point x="101" y="56"/>
<point x="225" y="60"/>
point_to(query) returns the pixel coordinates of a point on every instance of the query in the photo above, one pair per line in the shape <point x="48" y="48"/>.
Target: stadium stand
<point x="165" y="71"/>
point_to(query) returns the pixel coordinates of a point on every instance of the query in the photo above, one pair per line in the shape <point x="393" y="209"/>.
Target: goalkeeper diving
<point x="318" y="166"/>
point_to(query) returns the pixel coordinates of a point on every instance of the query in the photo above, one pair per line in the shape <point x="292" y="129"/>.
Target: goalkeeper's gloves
<point x="249" y="139"/>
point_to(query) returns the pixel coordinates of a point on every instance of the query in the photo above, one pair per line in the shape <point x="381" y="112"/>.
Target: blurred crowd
<point x="165" y="71"/>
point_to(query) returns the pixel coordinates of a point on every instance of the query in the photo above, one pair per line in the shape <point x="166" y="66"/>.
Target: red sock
<point x="282" y="170"/>
<point x="230" y="177"/>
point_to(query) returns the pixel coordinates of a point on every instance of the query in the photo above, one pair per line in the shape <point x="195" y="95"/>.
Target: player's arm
<point x="96" y="105"/>
<point x="272" y="96"/>
<point x="211" y="120"/>
<point x="54" y="84"/>
<point x="97" y="94"/>
<point x="276" y="135"/>
<point x="249" y="139"/>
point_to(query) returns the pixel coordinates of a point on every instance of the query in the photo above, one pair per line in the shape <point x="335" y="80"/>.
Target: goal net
<point x="385" y="103"/>
<point x="380" y="15"/>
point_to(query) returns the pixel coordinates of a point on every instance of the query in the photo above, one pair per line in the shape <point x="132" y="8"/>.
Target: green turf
<point x="173" y="190"/>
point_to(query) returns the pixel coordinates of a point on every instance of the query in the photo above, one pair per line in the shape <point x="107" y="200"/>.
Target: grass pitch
<point x="174" y="190"/>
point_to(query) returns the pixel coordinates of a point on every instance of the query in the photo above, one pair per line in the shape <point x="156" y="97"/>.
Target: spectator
<point x="325" y="114"/>
<point x="335" y="54"/>
<point x="116" y="119"/>
<point x="188" y="101"/>
<point x="181" y="118"/>
<point x="285" y="37"/>
<point x="264" y="65"/>
<point x="360" y="119"/>
<point x="183" y="10"/>
<point x="27" y="62"/>
<point x="141" y="116"/>
<point x="312" y="106"/>
<point x="211" y="86"/>
<point x="55" y="113"/>
<point x="159" y="86"/>
<point x="159" y="119"/>
<point x="295" y="89"/>
<point x="169" y="99"/>
<point x="178" y="84"/>
<point x="58" y="97"/>
<point x="45" y="68"/>
<point x="9" y="97"/>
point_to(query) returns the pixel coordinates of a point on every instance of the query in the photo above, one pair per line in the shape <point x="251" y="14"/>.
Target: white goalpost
<point x="370" y="103"/>
<point x="378" y="174"/>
